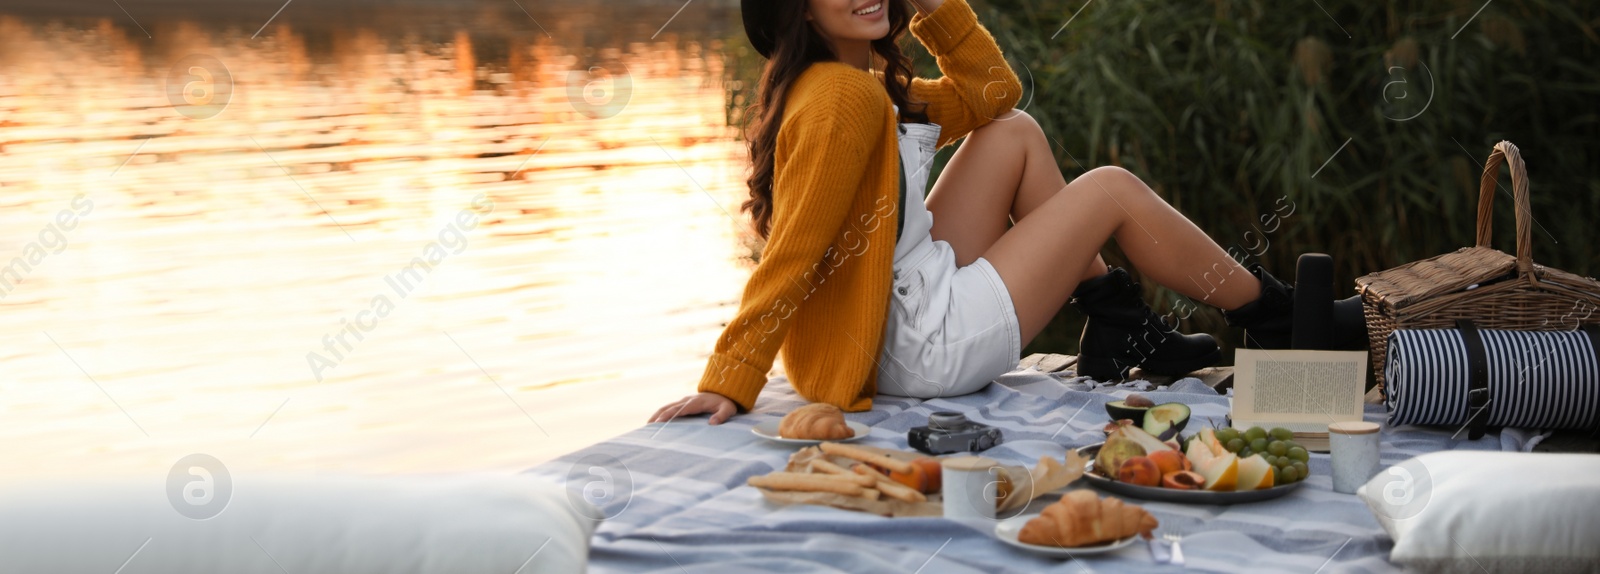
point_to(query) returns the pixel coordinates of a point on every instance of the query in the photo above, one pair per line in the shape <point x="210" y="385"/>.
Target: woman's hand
<point x="720" y="407"/>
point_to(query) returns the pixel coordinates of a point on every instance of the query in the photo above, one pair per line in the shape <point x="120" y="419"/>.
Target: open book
<point x="1302" y="391"/>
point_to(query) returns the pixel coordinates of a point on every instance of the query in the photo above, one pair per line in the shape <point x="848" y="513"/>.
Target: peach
<point x="1183" y="480"/>
<point x="1139" y="470"/>
<point x="1169" y="461"/>
<point x="925" y="475"/>
<point x="934" y="471"/>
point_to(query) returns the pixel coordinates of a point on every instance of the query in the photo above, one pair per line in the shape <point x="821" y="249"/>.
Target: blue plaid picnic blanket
<point x="672" y="496"/>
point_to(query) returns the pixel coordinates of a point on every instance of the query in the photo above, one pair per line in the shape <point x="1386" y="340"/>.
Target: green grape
<point x="1245" y="452"/>
<point x="1300" y="468"/>
<point x="1300" y="454"/>
<point x="1225" y="435"/>
<point x="1277" y="448"/>
<point x="1254" y="433"/>
<point x="1288" y="475"/>
<point x="1234" y="445"/>
<point x="1281" y="433"/>
<point x="1283" y="461"/>
<point x="1258" y="445"/>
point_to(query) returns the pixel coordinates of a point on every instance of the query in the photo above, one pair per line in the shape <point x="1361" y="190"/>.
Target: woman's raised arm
<point x="978" y="85"/>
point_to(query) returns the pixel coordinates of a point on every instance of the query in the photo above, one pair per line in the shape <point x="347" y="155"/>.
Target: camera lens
<point x="946" y="420"/>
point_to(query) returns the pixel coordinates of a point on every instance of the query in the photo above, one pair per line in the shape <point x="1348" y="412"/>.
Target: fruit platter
<point x="1151" y="460"/>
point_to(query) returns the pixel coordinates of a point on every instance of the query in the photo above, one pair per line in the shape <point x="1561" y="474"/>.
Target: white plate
<point x="769" y="430"/>
<point x="1007" y="531"/>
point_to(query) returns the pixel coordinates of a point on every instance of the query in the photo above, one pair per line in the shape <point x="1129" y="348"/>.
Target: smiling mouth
<point x="869" y="9"/>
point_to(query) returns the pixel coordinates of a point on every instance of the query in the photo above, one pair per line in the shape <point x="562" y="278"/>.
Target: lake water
<point x="423" y="247"/>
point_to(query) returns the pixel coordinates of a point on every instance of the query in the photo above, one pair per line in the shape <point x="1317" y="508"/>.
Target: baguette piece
<point x="808" y="482"/>
<point x="825" y="467"/>
<point x="889" y="487"/>
<point x="866" y="456"/>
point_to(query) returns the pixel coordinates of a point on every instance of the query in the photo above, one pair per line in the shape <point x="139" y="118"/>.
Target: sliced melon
<point x="1210" y="437"/>
<point x="1166" y="419"/>
<point x="1199" y="453"/>
<point x="1255" y="473"/>
<point x="1222" y="472"/>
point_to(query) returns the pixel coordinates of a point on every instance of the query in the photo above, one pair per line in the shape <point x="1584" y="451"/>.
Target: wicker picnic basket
<point x="1490" y="287"/>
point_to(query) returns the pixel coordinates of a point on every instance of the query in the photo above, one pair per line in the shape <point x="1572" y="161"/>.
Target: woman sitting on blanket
<point x="864" y="291"/>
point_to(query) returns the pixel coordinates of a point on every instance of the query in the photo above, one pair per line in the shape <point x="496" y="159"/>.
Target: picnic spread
<point x="678" y="496"/>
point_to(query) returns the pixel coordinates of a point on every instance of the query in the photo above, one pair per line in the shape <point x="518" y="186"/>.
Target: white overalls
<point x="950" y="330"/>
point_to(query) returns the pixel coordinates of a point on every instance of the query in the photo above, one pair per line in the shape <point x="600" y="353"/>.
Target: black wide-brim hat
<point x="761" y="24"/>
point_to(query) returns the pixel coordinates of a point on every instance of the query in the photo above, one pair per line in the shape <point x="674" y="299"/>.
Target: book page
<point x="1303" y="391"/>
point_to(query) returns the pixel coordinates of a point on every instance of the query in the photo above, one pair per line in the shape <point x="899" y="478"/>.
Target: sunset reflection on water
<point x="565" y="270"/>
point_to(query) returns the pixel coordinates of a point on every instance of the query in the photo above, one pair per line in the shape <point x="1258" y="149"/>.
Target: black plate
<point x="1173" y="495"/>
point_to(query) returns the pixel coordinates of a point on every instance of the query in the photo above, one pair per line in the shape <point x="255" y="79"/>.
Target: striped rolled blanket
<point x="1486" y="377"/>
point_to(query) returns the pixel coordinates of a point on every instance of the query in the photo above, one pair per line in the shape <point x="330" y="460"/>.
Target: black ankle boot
<point x="1123" y="332"/>
<point x="1283" y="318"/>
<point x="1269" y="320"/>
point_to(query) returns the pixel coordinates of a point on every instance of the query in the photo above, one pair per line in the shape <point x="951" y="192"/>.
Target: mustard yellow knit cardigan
<point x="820" y="293"/>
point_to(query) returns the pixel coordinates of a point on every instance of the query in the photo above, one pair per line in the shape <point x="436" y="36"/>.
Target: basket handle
<point x="1506" y="152"/>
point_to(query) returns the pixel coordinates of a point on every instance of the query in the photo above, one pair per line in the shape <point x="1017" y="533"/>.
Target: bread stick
<point x="823" y="466"/>
<point x="889" y="487"/>
<point x="867" y="456"/>
<point x="807" y="482"/>
<point x="827" y="466"/>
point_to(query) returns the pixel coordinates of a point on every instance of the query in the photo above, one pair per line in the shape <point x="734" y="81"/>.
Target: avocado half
<point x="1119" y="410"/>
<point x="1165" y="420"/>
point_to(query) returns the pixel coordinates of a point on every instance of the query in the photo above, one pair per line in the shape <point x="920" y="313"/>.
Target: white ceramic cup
<point x="969" y="486"/>
<point x="1353" y="447"/>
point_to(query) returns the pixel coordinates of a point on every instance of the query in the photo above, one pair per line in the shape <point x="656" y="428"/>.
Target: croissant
<point x="816" y="421"/>
<point x="1081" y="518"/>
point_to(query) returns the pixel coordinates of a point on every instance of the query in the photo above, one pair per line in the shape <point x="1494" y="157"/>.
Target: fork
<point x="1177" y="551"/>
<point x="1159" y="554"/>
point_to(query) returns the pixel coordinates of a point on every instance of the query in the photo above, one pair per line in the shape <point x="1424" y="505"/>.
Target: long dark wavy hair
<point x="795" y="49"/>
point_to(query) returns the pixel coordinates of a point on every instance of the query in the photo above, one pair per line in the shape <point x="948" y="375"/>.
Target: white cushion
<point x="296" y="524"/>
<point x="1459" y="511"/>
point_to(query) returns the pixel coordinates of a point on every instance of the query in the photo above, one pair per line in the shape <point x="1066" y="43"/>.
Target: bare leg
<point x="1000" y="173"/>
<point x="1005" y="170"/>
<point x="1069" y="228"/>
